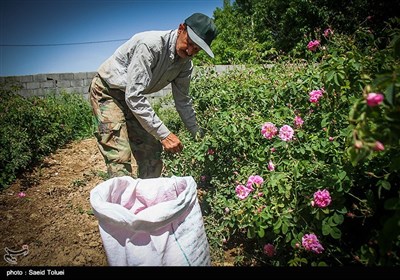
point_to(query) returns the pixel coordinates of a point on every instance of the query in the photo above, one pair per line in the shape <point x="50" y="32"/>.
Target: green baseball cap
<point x="202" y="31"/>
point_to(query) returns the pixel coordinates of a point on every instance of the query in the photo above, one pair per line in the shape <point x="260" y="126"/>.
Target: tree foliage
<point x="256" y="31"/>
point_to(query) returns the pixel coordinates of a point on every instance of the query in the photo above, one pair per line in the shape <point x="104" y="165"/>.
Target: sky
<point x="69" y="36"/>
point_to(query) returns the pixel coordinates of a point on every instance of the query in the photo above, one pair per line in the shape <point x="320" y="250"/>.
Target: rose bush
<point x="308" y="191"/>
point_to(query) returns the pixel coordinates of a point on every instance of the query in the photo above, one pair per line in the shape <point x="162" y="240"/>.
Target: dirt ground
<point x="53" y="225"/>
<point x="54" y="219"/>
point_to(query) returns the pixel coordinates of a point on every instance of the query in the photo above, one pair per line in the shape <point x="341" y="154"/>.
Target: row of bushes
<point x="31" y="128"/>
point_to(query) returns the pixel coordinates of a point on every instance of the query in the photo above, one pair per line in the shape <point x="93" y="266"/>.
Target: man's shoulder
<point x="152" y="35"/>
<point x="155" y="40"/>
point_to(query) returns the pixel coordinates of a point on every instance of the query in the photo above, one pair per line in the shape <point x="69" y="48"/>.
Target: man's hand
<point x="172" y="144"/>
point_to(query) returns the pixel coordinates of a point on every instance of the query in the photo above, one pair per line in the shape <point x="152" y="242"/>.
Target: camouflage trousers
<point x="119" y="135"/>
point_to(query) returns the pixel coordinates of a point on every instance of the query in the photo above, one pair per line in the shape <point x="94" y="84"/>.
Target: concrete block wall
<point x="43" y="84"/>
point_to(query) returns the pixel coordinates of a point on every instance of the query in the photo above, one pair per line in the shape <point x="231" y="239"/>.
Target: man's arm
<point x="183" y="101"/>
<point x="139" y="76"/>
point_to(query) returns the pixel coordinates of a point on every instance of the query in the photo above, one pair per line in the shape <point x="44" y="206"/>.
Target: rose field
<point x="299" y="165"/>
<point x="300" y="162"/>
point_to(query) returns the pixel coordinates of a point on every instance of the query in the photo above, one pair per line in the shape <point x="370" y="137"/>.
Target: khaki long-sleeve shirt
<point x="146" y="63"/>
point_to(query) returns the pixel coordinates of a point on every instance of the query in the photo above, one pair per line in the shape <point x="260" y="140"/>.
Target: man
<point x="127" y="124"/>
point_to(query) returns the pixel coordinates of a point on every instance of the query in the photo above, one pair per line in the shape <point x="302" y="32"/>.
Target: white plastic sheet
<point x="151" y="222"/>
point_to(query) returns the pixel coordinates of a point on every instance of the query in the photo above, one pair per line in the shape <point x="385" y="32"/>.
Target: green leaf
<point x="325" y="210"/>
<point x="326" y="229"/>
<point x="250" y="233"/>
<point x="325" y="121"/>
<point x="338" y="219"/>
<point x="342" y="175"/>
<point x="392" y="204"/>
<point x="384" y="184"/>
<point x="288" y="237"/>
<point x="277" y="225"/>
<point x="336" y="233"/>
<point x="261" y="232"/>
<point x="284" y="228"/>
<point x="389" y="92"/>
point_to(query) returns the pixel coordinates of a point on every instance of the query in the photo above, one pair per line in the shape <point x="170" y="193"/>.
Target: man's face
<point x="185" y="47"/>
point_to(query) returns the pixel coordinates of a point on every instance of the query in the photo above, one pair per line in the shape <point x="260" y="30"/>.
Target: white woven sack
<point x="151" y="222"/>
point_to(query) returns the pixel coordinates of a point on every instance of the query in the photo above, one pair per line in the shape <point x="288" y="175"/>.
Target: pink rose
<point x="268" y="130"/>
<point x="313" y="45"/>
<point x="311" y="243"/>
<point x="298" y="121"/>
<point x="254" y="179"/>
<point x="379" y="146"/>
<point x="328" y="32"/>
<point x="21" y="194"/>
<point x="374" y="99"/>
<point x="242" y="191"/>
<point x="271" y="166"/>
<point x="286" y="133"/>
<point x="322" y="198"/>
<point x="269" y="250"/>
<point x="315" y="95"/>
